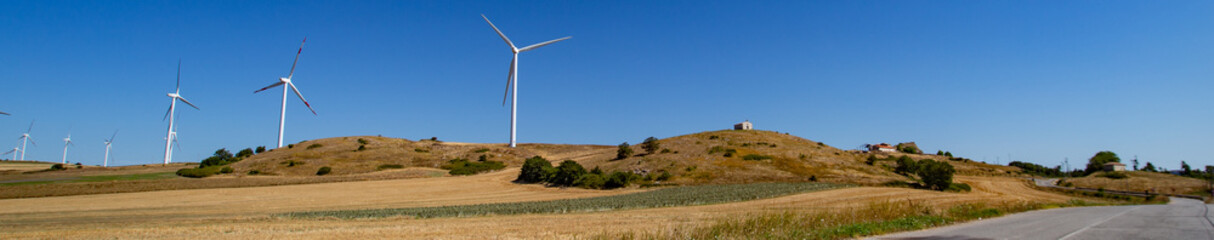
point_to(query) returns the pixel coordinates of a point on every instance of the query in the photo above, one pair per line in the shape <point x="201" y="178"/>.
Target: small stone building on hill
<point x="1114" y="167"/>
<point x="744" y="126"/>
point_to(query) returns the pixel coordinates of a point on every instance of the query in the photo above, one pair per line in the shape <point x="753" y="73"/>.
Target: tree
<point x="1186" y="169"/>
<point x="650" y="145"/>
<point x="535" y="169"/>
<point x="260" y="149"/>
<point x="617" y="180"/>
<point x="624" y="152"/>
<point x="567" y="173"/>
<point x="939" y="152"/>
<point x="906" y="165"/>
<point x="935" y="175"/>
<point x="1096" y="163"/>
<point x="1149" y="167"/>
<point x="245" y="153"/>
<point x="948" y="154"/>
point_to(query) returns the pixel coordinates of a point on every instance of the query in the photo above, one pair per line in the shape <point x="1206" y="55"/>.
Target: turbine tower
<point x="174" y="96"/>
<point x="512" y="77"/>
<point x="26" y="137"/>
<point x="66" y="141"/>
<point x="282" y="117"/>
<point x="108" y="142"/>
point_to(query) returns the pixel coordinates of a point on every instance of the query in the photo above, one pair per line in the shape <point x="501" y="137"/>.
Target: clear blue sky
<point x="1038" y="81"/>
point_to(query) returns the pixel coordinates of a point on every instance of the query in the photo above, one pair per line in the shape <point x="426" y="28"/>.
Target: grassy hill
<point x="726" y="156"/>
<point x="1138" y="181"/>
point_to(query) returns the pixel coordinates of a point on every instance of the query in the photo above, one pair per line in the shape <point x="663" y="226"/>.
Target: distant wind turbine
<point x="282" y="120"/>
<point x="5" y="113"/>
<point x="66" y="141"/>
<point x="14" y="152"/>
<point x="108" y="143"/>
<point x="26" y="136"/>
<point x="512" y="78"/>
<point x="168" y="150"/>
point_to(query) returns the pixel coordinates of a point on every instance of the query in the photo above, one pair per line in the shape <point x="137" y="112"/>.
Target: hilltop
<point x="714" y="157"/>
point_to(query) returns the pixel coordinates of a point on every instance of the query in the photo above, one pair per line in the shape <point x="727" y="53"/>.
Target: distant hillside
<point x="1138" y="181"/>
<point x="342" y="155"/>
<point x="726" y="156"/>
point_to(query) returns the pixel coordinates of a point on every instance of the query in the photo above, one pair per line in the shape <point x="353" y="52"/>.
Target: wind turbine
<point x="108" y="142"/>
<point x="13" y="152"/>
<point x="66" y="141"/>
<point x="168" y="139"/>
<point x="5" y="113"/>
<point x="282" y="119"/>
<point x="26" y="136"/>
<point x="512" y="78"/>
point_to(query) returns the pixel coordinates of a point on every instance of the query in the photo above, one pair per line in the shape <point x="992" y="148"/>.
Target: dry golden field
<point x="1138" y="181"/>
<point x="245" y="212"/>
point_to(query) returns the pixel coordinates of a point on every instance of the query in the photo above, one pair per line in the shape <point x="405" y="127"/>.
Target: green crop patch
<point x="667" y="197"/>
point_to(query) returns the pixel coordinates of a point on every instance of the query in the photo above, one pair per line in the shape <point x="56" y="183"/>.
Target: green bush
<point x="219" y="158"/>
<point x="245" y="153"/>
<point x="1114" y="175"/>
<point x="58" y="166"/>
<point x="651" y="145"/>
<point x="618" y="180"/>
<point x="756" y="157"/>
<point x="590" y="181"/>
<point x="664" y="176"/>
<point x="292" y="163"/>
<point x="290" y="145"/>
<point x="226" y="169"/>
<point x="624" y="151"/>
<point x="260" y="149"/>
<point x="361" y="147"/>
<point x="389" y="166"/>
<point x="935" y="175"/>
<point x="198" y="172"/>
<point x="906" y="166"/>
<point x="460" y="166"/>
<point x="959" y="187"/>
<point x="535" y="170"/>
<point x="567" y="172"/>
<point x="254" y="172"/>
<point x="315" y="145"/>
<point x="362" y="141"/>
<point x="323" y="171"/>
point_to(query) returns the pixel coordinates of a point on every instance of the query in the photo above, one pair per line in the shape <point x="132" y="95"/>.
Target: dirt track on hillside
<point x="244" y="212"/>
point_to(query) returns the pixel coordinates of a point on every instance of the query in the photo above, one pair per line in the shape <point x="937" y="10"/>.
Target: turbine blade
<point x="32" y="141"/>
<point x="113" y="136"/>
<point x="537" y="45"/>
<point x="166" y="112"/>
<point x="297" y="58"/>
<point x="269" y="87"/>
<point x="499" y="33"/>
<point x="178" y="75"/>
<point x="188" y="102"/>
<point x="508" y="78"/>
<point x="175" y="143"/>
<point x="301" y="97"/>
<point x="31" y="128"/>
<point x="5" y="113"/>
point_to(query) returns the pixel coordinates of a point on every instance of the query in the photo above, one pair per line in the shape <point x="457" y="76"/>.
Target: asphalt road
<point x="1180" y="219"/>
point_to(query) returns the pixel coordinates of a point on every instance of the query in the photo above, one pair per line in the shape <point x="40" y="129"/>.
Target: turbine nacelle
<point x="174" y="95"/>
<point x="284" y="80"/>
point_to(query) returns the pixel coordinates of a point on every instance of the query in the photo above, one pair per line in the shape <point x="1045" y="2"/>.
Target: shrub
<point x="617" y="180"/>
<point x="624" y="151"/>
<point x="460" y="166"/>
<point x="906" y="166"/>
<point x="389" y="166"/>
<point x="362" y="141"/>
<point x="591" y="181"/>
<point x="323" y="171"/>
<point x="58" y="166"/>
<point x="935" y="175"/>
<point x="535" y="169"/>
<point x="421" y="150"/>
<point x="567" y="172"/>
<point x="219" y="158"/>
<point x="1114" y="175"/>
<point x="254" y="172"/>
<point x="664" y="176"/>
<point x="361" y="147"/>
<point x="292" y="163"/>
<point x="756" y="157"/>
<point x="665" y="150"/>
<point x="651" y="145"/>
<point x="482" y="158"/>
<point x="226" y="169"/>
<point x="245" y="153"/>
<point x="260" y="149"/>
<point x="314" y="145"/>
<point x="728" y="151"/>
<point x="198" y="172"/>
<point x="290" y="145"/>
<point x="959" y="187"/>
<point x="870" y="161"/>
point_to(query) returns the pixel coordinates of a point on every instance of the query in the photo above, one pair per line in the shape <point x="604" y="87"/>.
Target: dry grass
<point x="243" y="212"/>
<point x="1139" y="181"/>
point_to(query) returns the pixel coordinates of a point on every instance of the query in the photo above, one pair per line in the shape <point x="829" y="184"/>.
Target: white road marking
<point x="1097" y="223"/>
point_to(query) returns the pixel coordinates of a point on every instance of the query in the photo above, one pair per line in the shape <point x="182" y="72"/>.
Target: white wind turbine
<point x="14" y="152"/>
<point x="169" y="138"/>
<point x="512" y="78"/>
<point x="287" y="81"/>
<point x="108" y="142"/>
<point x="26" y="137"/>
<point x="66" y="141"/>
